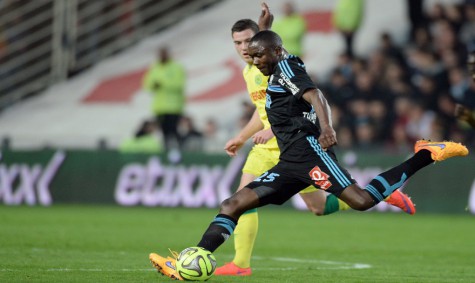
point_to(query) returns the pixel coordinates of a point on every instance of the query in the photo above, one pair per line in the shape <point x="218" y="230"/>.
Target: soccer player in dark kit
<point x="300" y="118"/>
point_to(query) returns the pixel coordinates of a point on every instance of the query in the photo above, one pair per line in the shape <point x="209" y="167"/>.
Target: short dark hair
<point x="267" y="38"/>
<point x="245" y="24"/>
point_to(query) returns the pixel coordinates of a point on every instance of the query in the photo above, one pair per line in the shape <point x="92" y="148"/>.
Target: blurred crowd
<point x="398" y="93"/>
<point x="390" y="98"/>
<point x="210" y="137"/>
<point x="401" y="93"/>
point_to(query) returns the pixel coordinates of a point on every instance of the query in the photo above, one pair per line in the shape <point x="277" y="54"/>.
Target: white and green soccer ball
<point x="195" y="264"/>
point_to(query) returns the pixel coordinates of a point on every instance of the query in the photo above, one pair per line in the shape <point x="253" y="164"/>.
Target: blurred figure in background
<point x="390" y="49"/>
<point x="213" y="137"/>
<point x="166" y="80"/>
<point x="467" y="30"/>
<point x="422" y="38"/>
<point x="147" y="139"/>
<point x="347" y="18"/>
<point x="247" y="111"/>
<point x="462" y="87"/>
<point x="339" y="89"/>
<point x="420" y="121"/>
<point x="463" y="112"/>
<point x="291" y="28"/>
<point x="190" y="138"/>
<point x="417" y="19"/>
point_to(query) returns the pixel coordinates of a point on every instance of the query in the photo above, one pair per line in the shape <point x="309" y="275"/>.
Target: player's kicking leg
<point x="320" y="203"/>
<point x="387" y="182"/>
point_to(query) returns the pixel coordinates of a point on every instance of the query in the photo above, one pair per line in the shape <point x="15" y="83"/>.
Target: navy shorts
<point x="320" y="169"/>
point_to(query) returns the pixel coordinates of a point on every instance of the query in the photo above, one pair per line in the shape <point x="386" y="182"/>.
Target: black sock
<point x="387" y="182"/>
<point x="420" y="160"/>
<point x="218" y="231"/>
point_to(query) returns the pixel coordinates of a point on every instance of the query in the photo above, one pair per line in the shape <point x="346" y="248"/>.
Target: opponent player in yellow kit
<point x="265" y="154"/>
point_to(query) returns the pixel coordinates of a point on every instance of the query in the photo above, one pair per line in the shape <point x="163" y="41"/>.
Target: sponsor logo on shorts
<point x="320" y="178"/>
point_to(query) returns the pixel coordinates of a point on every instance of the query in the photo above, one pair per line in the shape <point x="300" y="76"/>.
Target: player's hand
<point x="266" y="18"/>
<point x="262" y="136"/>
<point x="327" y="138"/>
<point x="232" y="146"/>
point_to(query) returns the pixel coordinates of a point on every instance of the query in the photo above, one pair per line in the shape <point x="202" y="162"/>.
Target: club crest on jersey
<point x="320" y="178"/>
<point x="258" y="80"/>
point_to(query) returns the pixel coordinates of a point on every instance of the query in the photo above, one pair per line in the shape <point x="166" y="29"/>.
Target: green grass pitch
<point x="111" y="244"/>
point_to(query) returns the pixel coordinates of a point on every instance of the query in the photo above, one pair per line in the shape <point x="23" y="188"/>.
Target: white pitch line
<point x="101" y="270"/>
<point x="83" y="270"/>
<point x="317" y="264"/>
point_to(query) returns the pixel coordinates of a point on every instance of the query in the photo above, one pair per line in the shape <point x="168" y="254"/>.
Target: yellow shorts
<point x="261" y="159"/>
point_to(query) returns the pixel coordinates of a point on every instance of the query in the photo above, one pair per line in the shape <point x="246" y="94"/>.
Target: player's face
<point x="471" y="64"/>
<point x="263" y="58"/>
<point x="241" y="43"/>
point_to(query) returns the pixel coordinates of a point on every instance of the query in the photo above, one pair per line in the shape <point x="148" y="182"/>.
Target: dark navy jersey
<point x="291" y="117"/>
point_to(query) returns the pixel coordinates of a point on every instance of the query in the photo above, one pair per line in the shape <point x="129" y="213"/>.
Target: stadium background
<point x="76" y="209"/>
<point x="76" y="91"/>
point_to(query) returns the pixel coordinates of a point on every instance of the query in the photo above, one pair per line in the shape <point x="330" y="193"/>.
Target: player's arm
<point x="262" y="136"/>
<point x="148" y="82"/>
<point x="253" y="126"/>
<point x="266" y="18"/>
<point x="327" y="136"/>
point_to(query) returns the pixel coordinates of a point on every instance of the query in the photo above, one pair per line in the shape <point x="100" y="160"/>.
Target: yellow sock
<point x="244" y="238"/>
<point x="342" y="205"/>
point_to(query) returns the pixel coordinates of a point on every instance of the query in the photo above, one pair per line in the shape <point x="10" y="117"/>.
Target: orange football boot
<point x="166" y="266"/>
<point x="403" y="201"/>
<point x="441" y="150"/>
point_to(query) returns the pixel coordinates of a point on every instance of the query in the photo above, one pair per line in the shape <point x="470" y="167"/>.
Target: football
<point x="195" y="264"/>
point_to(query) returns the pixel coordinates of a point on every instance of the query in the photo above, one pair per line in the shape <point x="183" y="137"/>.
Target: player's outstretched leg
<point x="387" y="182"/>
<point x="439" y="151"/>
<point x="397" y="199"/>
<point x="165" y="266"/>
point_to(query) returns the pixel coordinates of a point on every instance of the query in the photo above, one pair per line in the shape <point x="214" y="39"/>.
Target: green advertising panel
<point x="48" y="177"/>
